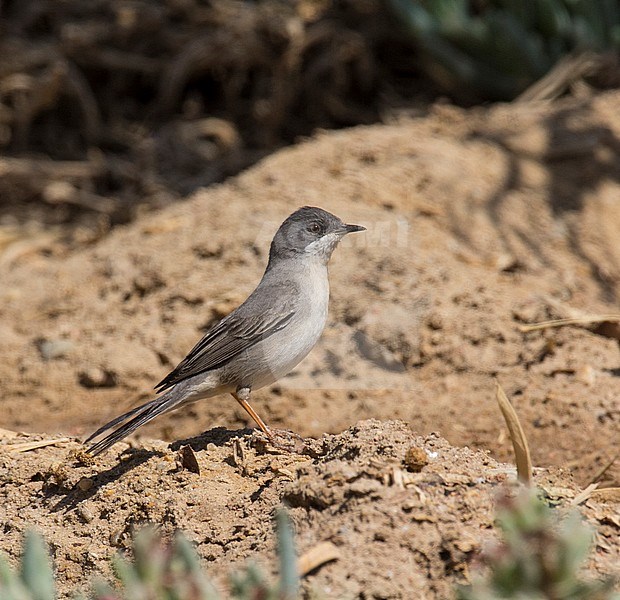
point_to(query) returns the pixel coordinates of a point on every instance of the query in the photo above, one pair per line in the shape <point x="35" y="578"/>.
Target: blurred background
<point x="109" y="107"/>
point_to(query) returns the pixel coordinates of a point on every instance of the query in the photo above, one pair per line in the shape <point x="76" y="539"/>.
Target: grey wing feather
<point x="268" y="309"/>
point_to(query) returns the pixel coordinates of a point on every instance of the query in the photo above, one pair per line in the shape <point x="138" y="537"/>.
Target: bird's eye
<point x="314" y="227"/>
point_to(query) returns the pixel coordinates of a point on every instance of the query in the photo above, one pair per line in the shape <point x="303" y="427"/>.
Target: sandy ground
<point x="478" y="222"/>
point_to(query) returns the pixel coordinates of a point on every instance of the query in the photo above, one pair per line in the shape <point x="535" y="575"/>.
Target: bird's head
<point x="309" y="231"/>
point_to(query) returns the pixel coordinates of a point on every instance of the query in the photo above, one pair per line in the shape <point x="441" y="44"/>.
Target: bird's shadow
<point x="129" y="460"/>
<point x="219" y="436"/>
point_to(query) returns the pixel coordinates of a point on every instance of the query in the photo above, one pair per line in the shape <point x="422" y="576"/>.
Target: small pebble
<point x="415" y="459"/>
<point x="189" y="460"/>
<point x="85" y="484"/>
<point x="85" y="514"/>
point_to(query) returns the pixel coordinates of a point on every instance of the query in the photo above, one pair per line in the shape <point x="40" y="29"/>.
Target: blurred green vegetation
<point x="157" y="571"/>
<point x="495" y="49"/>
<point x="540" y="557"/>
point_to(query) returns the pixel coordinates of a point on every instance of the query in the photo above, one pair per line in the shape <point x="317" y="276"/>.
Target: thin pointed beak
<point x="353" y="228"/>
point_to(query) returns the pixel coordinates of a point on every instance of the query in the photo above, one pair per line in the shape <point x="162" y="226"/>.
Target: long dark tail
<point x="131" y="420"/>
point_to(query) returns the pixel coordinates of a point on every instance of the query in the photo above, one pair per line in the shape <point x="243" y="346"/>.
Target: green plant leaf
<point x="36" y="571"/>
<point x="289" y="577"/>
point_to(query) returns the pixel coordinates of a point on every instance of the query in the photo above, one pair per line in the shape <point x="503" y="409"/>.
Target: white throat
<point x="323" y="247"/>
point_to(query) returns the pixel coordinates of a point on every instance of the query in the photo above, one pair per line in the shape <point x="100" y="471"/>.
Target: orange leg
<point x="242" y="396"/>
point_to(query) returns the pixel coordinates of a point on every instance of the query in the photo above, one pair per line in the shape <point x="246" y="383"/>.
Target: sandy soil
<point x="394" y="531"/>
<point x="478" y="221"/>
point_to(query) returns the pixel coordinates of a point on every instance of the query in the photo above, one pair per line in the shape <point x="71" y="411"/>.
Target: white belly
<point x="285" y="349"/>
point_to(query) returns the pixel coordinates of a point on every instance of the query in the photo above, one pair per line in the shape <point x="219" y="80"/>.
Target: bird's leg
<point x="242" y="395"/>
<point x="285" y="440"/>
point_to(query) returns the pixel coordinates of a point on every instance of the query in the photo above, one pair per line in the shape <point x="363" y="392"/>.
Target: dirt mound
<point x="478" y="222"/>
<point x="352" y="489"/>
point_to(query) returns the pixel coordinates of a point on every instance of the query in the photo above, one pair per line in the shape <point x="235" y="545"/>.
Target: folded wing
<point x="258" y="318"/>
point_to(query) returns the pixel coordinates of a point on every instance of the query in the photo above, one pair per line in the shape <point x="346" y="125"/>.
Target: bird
<point x="260" y="341"/>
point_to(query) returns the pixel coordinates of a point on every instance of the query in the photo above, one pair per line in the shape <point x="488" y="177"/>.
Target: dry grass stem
<point x="315" y="557"/>
<point x="584" y="494"/>
<point x="605" y="468"/>
<point x="589" y="320"/>
<point x="519" y="441"/>
<point x="568" y="71"/>
<point x="26" y="446"/>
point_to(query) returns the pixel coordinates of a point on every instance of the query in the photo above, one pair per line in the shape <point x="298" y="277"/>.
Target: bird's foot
<point x="282" y="439"/>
